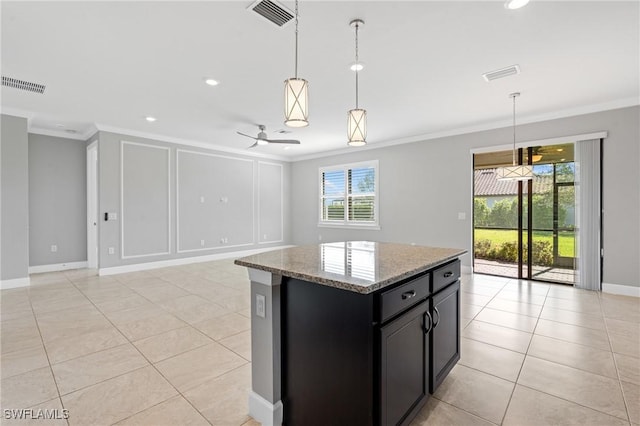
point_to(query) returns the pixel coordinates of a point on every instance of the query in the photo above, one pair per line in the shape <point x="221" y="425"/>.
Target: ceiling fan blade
<point x="249" y="136"/>
<point x="289" y="141"/>
<point x="255" y="144"/>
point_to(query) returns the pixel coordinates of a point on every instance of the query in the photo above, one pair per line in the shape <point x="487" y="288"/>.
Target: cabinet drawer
<point x="445" y="275"/>
<point x="400" y="298"/>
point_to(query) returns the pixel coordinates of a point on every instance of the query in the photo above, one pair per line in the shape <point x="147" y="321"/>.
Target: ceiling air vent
<point x="23" y="85"/>
<point x="272" y="11"/>
<point x="503" y="72"/>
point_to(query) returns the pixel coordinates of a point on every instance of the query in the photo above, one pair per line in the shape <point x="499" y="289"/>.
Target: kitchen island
<point x="352" y="332"/>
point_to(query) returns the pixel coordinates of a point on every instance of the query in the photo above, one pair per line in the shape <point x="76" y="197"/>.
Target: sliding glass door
<point x="526" y="229"/>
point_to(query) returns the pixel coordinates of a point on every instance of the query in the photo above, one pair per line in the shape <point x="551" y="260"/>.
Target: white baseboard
<point x="57" y="267"/>
<point x="15" y="283"/>
<point x="263" y="411"/>
<point x="625" y="290"/>
<point x="183" y="261"/>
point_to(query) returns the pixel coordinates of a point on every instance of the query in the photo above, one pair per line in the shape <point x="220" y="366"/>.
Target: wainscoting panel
<point x="270" y="203"/>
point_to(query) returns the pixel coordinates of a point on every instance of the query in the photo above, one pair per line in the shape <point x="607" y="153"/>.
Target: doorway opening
<point x="92" y="205"/>
<point x="526" y="229"/>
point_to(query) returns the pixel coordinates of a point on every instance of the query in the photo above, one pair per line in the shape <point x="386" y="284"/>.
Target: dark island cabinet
<point x="445" y="334"/>
<point x="404" y="375"/>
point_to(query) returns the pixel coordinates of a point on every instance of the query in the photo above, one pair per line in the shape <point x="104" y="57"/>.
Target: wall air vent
<point x="503" y="72"/>
<point x="23" y="85"/>
<point x="272" y="11"/>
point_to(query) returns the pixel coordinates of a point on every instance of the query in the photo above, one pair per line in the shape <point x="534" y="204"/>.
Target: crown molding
<point x="62" y="134"/>
<point x="187" y="142"/>
<point x="17" y="112"/>
<point x="588" y="109"/>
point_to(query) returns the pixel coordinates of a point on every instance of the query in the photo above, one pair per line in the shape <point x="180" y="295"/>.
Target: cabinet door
<point x="445" y="336"/>
<point x="404" y="365"/>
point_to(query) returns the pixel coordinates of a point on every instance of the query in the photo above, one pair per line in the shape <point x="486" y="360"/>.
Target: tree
<point x="367" y="183"/>
<point x="480" y="212"/>
<point x="504" y="213"/>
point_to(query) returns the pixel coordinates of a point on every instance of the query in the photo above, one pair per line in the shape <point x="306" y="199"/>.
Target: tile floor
<point x="172" y="347"/>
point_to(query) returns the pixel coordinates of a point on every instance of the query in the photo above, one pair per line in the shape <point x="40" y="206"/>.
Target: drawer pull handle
<point x="426" y="329"/>
<point x="448" y="274"/>
<point x="408" y="295"/>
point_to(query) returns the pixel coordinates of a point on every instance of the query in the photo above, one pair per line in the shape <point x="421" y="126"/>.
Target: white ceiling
<point x="109" y="64"/>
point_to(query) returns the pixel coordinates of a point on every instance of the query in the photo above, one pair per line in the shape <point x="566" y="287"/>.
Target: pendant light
<point x="357" y="118"/>
<point x="515" y="172"/>
<point x="296" y="94"/>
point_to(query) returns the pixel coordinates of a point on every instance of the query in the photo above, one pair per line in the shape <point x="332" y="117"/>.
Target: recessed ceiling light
<point x="562" y="159"/>
<point x="287" y="148"/>
<point x="72" y="131"/>
<point x="356" y="67"/>
<point x="150" y="119"/>
<point x="515" y="4"/>
<point x="211" y="81"/>
<point x="559" y="150"/>
<point x="60" y="125"/>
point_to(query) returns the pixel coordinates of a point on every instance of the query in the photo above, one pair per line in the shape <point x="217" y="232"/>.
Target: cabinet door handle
<point x="448" y="274"/>
<point x="426" y="329"/>
<point x="408" y="295"/>
<point x="435" y="311"/>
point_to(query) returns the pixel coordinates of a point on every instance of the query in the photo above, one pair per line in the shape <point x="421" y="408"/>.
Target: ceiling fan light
<point x="515" y="4"/>
<point x="262" y="142"/>
<point x="520" y="172"/>
<point x="536" y="157"/>
<point x="296" y="102"/>
<point x="357" y="127"/>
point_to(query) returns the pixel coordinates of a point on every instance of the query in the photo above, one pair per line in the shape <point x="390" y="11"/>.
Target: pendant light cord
<point x="357" y="27"/>
<point x="296" y="68"/>
<point x="514" y="128"/>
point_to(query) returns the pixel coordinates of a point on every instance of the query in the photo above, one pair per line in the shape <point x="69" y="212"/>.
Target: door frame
<point x="92" y="206"/>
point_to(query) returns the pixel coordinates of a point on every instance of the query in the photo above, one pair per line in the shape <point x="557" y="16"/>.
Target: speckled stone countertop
<point x="358" y="266"/>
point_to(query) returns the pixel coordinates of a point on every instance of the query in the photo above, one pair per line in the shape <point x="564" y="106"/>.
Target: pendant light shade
<point x="296" y="94"/>
<point x="515" y="171"/>
<point x="357" y="117"/>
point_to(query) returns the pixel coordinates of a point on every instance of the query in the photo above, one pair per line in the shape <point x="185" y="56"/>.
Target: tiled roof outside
<point x="486" y="184"/>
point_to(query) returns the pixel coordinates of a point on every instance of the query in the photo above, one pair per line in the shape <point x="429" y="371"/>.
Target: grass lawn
<point x="566" y="240"/>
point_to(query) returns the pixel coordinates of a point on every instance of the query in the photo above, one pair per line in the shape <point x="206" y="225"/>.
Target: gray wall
<point x="14" y="181"/>
<point x="204" y="195"/>
<point x="424" y="185"/>
<point x="57" y="200"/>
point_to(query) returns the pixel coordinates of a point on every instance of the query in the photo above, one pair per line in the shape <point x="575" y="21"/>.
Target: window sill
<point x="373" y="227"/>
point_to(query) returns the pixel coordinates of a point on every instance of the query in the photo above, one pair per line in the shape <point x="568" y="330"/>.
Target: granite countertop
<point x="358" y="266"/>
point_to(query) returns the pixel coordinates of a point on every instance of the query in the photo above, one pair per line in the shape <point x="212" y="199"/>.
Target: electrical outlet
<point x="319" y="237"/>
<point x="264" y="237"/>
<point x="261" y="306"/>
<point x="201" y="243"/>
<point x="54" y="248"/>
<point x="112" y="250"/>
<point x="202" y="200"/>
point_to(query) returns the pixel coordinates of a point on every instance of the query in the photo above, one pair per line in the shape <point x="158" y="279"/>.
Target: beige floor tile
<point x="223" y="400"/>
<point x="573" y="355"/>
<point x="439" y="413"/>
<point x="96" y="367"/>
<point x="527" y="287"/>
<point x="469" y="311"/>
<point x="28" y="389"/>
<point x="45" y="306"/>
<point x="624" y="345"/>
<point x="571" y="293"/>
<point x="584" y="388"/>
<point x="628" y="368"/>
<point x="235" y="303"/>
<point x="126" y="303"/>
<point x="161" y="292"/>
<point x="245" y="313"/>
<point x="490" y="359"/>
<point x="532" y="299"/>
<point x="481" y="290"/>
<point x="71" y="322"/>
<point x="478" y="393"/>
<point x="118" y="398"/>
<point x="8" y="315"/>
<point x="174" y="411"/>
<point x="474" y="299"/>
<point x="224" y="326"/>
<point x="18" y="362"/>
<point x="150" y="326"/>
<point x="515" y="307"/>
<point x="49" y="413"/>
<point x="19" y="334"/>
<point x="190" y="369"/>
<point x="60" y="350"/>
<point x="110" y="292"/>
<point x="496" y="335"/>
<point x="251" y="422"/>
<point x="574" y="318"/>
<point x="622" y="308"/>
<point x="574" y="334"/>
<point x="632" y="398"/>
<point x="587" y="306"/>
<point x="507" y="319"/>
<point x="171" y="343"/>
<point x="201" y="313"/>
<point x="183" y="303"/>
<point x="626" y="329"/>
<point x="239" y="343"/>
<point x="124" y="316"/>
<point x="529" y="407"/>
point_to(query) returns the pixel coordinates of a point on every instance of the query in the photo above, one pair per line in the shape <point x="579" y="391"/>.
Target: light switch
<point x="260" y="305"/>
<point x="112" y="250"/>
<point x="112" y="216"/>
<point x="54" y="248"/>
<point x="202" y="200"/>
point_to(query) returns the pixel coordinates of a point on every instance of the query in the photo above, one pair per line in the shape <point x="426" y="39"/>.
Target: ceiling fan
<point x="261" y="139"/>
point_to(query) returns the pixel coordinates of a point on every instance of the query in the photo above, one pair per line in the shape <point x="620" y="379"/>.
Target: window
<point x="349" y="195"/>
